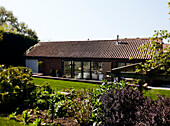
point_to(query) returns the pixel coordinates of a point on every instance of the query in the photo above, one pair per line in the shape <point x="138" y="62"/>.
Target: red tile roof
<point x="90" y="49"/>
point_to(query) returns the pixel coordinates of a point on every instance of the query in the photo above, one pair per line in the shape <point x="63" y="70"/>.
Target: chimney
<point x="117" y="38"/>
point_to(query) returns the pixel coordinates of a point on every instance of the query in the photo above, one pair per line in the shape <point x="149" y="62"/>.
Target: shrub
<point x="154" y="112"/>
<point x="55" y="103"/>
<point x="96" y="95"/>
<point x="38" y="122"/>
<point x="25" y="117"/>
<point x="15" y="87"/>
<point x="128" y="106"/>
<point x="15" y="79"/>
<point x="79" y="106"/>
<point x="43" y="96"/>
<point x="86" y="104"/>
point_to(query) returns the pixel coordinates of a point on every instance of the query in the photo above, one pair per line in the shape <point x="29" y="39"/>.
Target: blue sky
<point x="58" y="20"/>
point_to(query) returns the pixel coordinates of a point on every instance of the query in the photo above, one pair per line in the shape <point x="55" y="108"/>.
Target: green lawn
<point x="154" y="92"/>
<point x="61" y="84"/>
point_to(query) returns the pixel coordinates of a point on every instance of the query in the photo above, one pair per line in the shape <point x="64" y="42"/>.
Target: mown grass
<point x="7" y="122"/>
<point x="154" y="92"/>
<point x="62" y="84"/>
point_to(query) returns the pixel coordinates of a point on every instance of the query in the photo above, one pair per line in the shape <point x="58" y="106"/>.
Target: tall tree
<point x="13" y="47"/>
<point x="9" y="23"/>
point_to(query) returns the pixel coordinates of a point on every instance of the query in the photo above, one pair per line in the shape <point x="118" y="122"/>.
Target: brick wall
<point x="49" y="64"/>
<point x="56" y="63"/>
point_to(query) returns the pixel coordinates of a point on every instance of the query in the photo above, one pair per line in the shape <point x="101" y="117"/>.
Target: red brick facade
<point x="49" y="64"/>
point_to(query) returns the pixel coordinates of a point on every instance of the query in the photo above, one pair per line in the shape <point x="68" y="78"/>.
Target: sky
<point x="64" y="20"/>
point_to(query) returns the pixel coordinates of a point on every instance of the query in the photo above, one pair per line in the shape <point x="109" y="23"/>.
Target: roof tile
<point x="90" y="49"/>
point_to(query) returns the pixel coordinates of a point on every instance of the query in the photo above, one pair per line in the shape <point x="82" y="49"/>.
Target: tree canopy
<point x="15" y="39"/>
<point x="9" y="23"/>
<point x="13" y="47"/>
<point x="160" y="54"/>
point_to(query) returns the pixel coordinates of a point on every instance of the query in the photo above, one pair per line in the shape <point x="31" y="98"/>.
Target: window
<point x="86" y="70"/>
<point x="67" y="68"/>
<point x="77" y="70"/>
<point x="99" y="69"/>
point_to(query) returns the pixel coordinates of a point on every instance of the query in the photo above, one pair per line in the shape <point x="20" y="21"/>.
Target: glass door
<point x="67" y="69"/>
<point x="77" y="70"/>
<point x="86" y="70"/>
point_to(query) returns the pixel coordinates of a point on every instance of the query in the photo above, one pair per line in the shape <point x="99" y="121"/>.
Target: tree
<point x="13" y="47"/>
<point x="9" y="23"/>
<point x="160" y="57"/>
<point x="160" y="61"/>
<point x="15" y="39"/>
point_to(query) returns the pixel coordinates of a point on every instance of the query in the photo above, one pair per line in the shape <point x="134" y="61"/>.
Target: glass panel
<point x="77" y="70"/>
<point x="67" y="68"/>
<point x="96" y="70"/>
<point x="86" y="70"/>
<point x="99" y="70"/>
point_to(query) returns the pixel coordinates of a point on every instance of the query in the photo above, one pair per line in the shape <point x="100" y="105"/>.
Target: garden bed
<point x="46" y="119"/>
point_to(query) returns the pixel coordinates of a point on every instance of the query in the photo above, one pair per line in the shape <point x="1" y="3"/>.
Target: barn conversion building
<point x="84" y="59"/>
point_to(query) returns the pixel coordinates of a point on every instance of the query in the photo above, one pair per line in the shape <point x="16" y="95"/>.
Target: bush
<point x="42" y="96"/>
<point x="15" y="87"/>
<point x="154" y="112"/>
<point x="81" y="107"/>
<point x="128" y="106"/>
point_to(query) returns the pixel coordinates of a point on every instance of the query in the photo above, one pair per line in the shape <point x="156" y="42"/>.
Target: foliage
<point x="12" y="115"/>
<point x="15" y="79"/>
<point x="25" y="117"/>
<point x="7" y="122"/>
<point x="96" y="95"/>
<point x="86" y="104"/>
<point x="38" y="122"/>
<point x="81" y="107"/>
<point x="15" y="87"/>
<point x="61" y="108"/>
<point x="9" y="23"/>
<point x="55" y="103"/>
<point x="89" y="106"/>
<point x="41" y="96"/>
<point x="13" y="47"/>
<point x="1" y="36"/>
<point x="129" y="106"/>
<point x="160" y="58"/>
<point x="155" y="112"/>
<point x="14" y="36"/>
